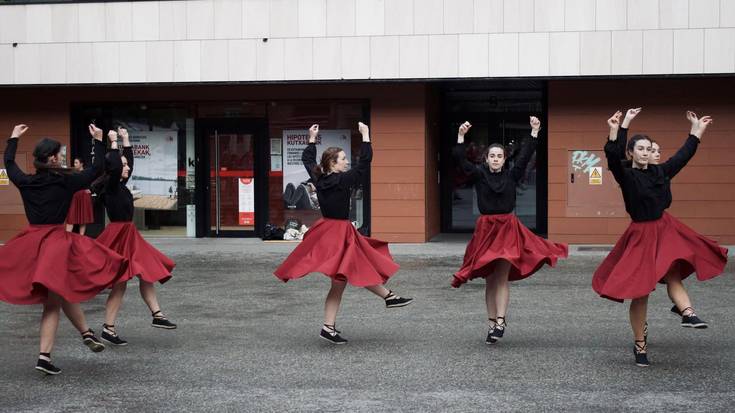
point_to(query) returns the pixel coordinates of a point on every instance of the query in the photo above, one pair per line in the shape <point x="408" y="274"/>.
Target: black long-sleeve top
<point x="47" y="194"/>
<point x="646" y="192"/>
<point x="334" y="189"/>
<point x="116" y="197"/>
<point x="496" y="191"/>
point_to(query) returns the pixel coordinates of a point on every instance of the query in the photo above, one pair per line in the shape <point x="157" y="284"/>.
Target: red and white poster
<point x="246" y="204"/>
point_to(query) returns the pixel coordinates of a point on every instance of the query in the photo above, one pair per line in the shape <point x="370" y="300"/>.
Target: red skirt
<point x="46" y="258"/>
<point x="335" y="248"/>
<point x="146" y="261"/>
<point x="503" y="237"/>
<point x="81" y="211"/>
<point x="647" y="251"/>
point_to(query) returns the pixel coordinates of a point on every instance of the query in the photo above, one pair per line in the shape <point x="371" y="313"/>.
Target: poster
<point x="4" y="180"/>
<point x="154" y="179"/>
<point x="246" y="202"/>
<point x="297" y="192"/>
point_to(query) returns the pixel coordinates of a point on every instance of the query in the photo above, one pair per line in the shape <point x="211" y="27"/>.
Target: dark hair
<point x="80" y="159"/>
<point x="45" y="148"/>
<point x="486" y="153"/>
<point x="99" y="185"/>
<point x="628" y="163"/>
<point x="329" y="156"/>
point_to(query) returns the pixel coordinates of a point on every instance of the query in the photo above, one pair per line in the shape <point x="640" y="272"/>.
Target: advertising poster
<point x="298" y="193"/>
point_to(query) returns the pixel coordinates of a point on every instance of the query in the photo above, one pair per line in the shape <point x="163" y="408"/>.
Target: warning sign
<point x="596" y="175"/>
<point x="4" y="177"/>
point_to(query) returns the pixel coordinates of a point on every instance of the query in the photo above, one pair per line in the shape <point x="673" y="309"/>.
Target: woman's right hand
<point x="630" y="115"/>
<point x="19" y="130"/>
<point x="95" y="132"/>
<point x="463" y="129"/>
<point x="614" y="124"/>
<point x="313" y="133"/>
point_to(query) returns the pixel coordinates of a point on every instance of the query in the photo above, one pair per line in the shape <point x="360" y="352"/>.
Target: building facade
<point x="218" y="94"/>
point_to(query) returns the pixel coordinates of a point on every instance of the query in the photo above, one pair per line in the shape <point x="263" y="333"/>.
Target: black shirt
<point x="116" y="196"/>
<point x="47" y="194"/>
<point x="646" y="192"/>
<point x="496" y="191"/>
<point x="334" y="189"/>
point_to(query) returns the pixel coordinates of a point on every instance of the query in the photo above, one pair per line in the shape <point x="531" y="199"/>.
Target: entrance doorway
<point x="233" y="199"/>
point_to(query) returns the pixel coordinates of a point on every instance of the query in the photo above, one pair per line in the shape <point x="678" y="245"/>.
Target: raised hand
<point x="463" y="129"/>
<point x="364" y="130"/>
<point x="535" y="126"/>
<point x="699" y="125"/>
<point x="630" y="115"/>
<point x="614" y="124"/>
<point x="112" y="136"/>
<point x="19" y="130"/>
<point x="95" y="131"/>
<point x="313" y="133"/>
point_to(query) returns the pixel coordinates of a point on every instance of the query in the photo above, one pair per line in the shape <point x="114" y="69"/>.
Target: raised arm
<point x="613" y="152"/>
<point x="84" y="179"/>
<point x="127" y="152"/>
<point x="459" y="153"/>
<point x="308" y="157"/>
<point x="529" y="146"/>
<point x="675" y="164"/>
<point x="357" y="174"/>
<point x="16" y="175"/>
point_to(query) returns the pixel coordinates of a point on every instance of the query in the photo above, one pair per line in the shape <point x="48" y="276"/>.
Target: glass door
<point x="232" y="189"/>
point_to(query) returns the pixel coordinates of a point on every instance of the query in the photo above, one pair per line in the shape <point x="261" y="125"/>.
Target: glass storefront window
<point x="497" y="116"/>
<point x="161" y="182"/>
<point x="291" y="197"/>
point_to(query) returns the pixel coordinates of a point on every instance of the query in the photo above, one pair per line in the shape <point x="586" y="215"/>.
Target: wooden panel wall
<point x="704" y="192"/>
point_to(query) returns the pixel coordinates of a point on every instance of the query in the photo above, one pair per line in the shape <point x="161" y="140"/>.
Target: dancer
<point x="45" y="264"/>
<point x="671" y="289"/>
<point x="656" y="246"/>
<point x="501" y="248"/>
<point x="332" y="245"/>
<point x="120" y="235"/>
<point x="81" y="211"/>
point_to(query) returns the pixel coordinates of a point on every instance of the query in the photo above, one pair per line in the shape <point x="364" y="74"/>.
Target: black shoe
<point x="110" y="335"/>
<point x="46" y="367"/>
<point x="675" y="310"/>
<point x="392" y="300"/>
<point x="490" y="339"/>
<point x="499" y="329"/>
<point x="159" y="321"/>
<point x="331" y="334"/>
<point x="641" y="358"/>
<point x="91" y="341"/>
<point x="692" y="321"/>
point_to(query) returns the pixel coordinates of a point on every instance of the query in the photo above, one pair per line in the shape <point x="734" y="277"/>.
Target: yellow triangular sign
<point x="595" y="173"/>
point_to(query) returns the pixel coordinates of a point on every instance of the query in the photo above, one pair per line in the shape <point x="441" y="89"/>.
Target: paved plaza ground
<point x="248" y="342"/>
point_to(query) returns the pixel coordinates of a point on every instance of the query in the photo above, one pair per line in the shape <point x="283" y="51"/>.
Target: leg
<point x="75" y="314"/>
<point x="50" y="322"/>
<point x="490" y="293"/>
<point x="148" y="292"/>
<point x="392" y="299"/>
<point x="677" y="292"/>
<point x="69" y="227"/>
<point x="638" y="314"/>
<point x="49" y="326"/>
<point x="499" y="285"/>
<point x="114" y="302"/>
<point x="502" y="295"/>
<point x="82" y="229"/>
<point x="331" y="306"/>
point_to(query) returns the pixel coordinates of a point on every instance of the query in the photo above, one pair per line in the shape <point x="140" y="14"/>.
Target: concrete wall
<point x="222" y="41"/>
